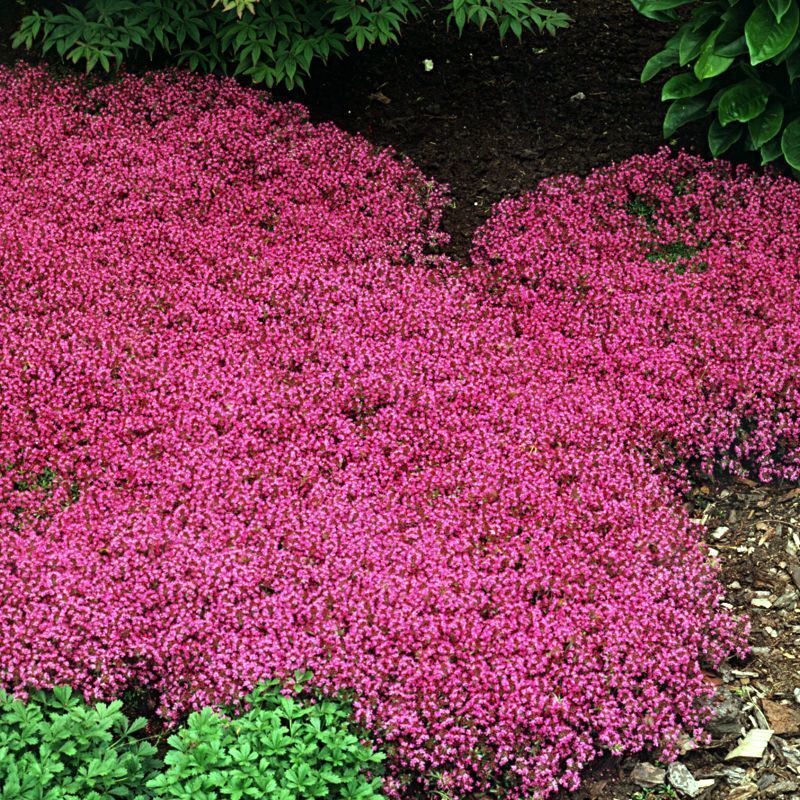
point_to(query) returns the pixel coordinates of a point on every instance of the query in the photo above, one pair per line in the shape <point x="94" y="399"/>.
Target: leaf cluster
<point x="55" y="747"/>
<point x="740" y="71"/>
<point x="278" y="748"/>
<point x="271" y="42"/>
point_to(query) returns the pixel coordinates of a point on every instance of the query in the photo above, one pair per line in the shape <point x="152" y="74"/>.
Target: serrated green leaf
<point x="766" y="37"/>
<point x="742" y="102"/>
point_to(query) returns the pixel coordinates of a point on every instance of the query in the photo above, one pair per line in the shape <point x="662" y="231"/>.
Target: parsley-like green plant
<point x="270" y="42"/>
<point x="665" y="792"/>
<point x="273" y="746"/>
<point x="55" y="746"/>
<point x="738" y="68"/>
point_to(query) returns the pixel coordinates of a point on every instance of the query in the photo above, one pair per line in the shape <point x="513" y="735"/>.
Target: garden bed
<point x="492" y="121"/>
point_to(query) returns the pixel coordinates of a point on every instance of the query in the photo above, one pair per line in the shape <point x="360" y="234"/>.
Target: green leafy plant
<point x="269" y="41"/>
<point x="739" y="70"/>
<point x="55" y="746"/>
<point x="665" y="792"/>
<point x="275" y="747"/>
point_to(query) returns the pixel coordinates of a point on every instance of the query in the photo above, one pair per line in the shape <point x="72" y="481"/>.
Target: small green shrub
<point x="277" y="748"/>
<point x="57" y="747"/>
<point x="741" y="73"/>
<point x="269" y="41"/>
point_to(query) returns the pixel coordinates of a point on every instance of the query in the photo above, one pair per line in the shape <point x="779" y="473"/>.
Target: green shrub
<point x="741" y="73"/>
<point x="277" y="748"/>
<point x="58" y="748"/>
<point x="269" y="41"/>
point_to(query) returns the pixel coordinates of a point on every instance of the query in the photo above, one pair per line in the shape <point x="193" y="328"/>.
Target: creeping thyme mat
<point x="250" y="425"/>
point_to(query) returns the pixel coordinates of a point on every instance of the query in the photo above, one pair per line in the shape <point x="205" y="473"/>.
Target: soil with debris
<point x="492" y="120"/>
<point x="754" y="533"/>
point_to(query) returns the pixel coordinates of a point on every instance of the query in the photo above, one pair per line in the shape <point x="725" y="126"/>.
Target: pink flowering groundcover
<point x="252" y="422"/>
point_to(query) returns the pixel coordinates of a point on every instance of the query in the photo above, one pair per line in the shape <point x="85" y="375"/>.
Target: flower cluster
<point x="251" y="425"/>
<point x="673" y="284"/>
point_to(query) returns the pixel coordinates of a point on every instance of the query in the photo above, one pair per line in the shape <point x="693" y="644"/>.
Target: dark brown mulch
<point x="492" y="120"/>
<point x="9" y="15"/>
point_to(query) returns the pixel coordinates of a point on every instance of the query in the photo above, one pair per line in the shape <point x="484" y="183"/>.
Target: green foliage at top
<point x="738" y="69"/>
<point x="55" y="747"/>
<point x="270" y="41"/>
<point x="278" y="748"/>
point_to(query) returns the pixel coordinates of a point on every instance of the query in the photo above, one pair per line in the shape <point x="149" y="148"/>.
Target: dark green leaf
<point x="690" y="45"/>
<point x="742" y="102"/>
<point x="658" y="63"/>
<point x="766" y="125"/>
<point x="655" y="9"/>
<point x="771" y="151"/>
<point x="682" y="86"/>
<point x="721" y="139"/>
<point x="737" y="47"/>
<point x="766" y="37"/>
<point x="788" y="52"/>
<point x="790" y="144"/>
<point x="710" y="64"/>
<point x="793" y="67"/>
<point x="682" y="112"/>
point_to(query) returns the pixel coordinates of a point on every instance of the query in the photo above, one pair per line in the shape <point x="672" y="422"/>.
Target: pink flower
<point x="249" y="425"/>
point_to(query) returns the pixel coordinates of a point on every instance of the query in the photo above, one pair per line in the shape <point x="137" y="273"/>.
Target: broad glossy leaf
<point x="742" y="102"/>
<point x="767" y="125"/>
<point x="709" y="65"/>
<point x="732" y="49"/>
<point x="771" y="151"/>
<point x="790" y="144"/>
<point x="683" y="85"/>
<point x="658" y="63"/>
<point x="766" y="37"/>
<point x="658" y="9"/>
<point x="690" y="45"/>
<point x="789" y="51"/>
<point x="683" y="111"/>
<point x="721" y="139"/>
